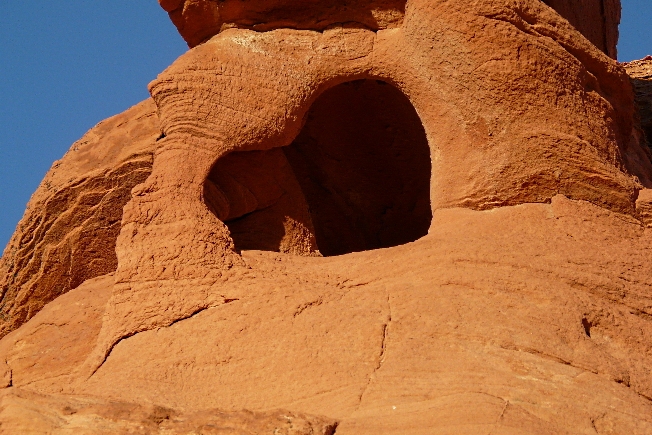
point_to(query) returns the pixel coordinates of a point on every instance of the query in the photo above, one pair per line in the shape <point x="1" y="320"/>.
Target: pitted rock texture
<point x="69" y="230"/>
<point x="520" y="112"/>
<point x="640" y="72"/>
<point x="24" y="412"/>
<point x="531" y="319"/>
<point x="597" y="20"/>
<point x="199" y="20"/>
<point x="526" y="307"/>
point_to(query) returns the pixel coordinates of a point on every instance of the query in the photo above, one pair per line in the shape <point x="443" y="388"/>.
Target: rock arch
<point x="357" y="177"/>
<point x="500" y="131"/>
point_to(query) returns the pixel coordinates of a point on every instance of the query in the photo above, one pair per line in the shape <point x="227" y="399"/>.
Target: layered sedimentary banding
<point x="523" y="111"/>
<point x="199" y="20"/>
<point x="597" y="20"/>
<point x="69" y="230"/>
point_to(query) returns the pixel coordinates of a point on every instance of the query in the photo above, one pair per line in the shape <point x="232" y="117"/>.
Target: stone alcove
<point x="357" y="177"/>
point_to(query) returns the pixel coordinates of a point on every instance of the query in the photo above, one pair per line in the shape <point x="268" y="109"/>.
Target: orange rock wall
<point x="67" y="251"/>
<point x="26" y="412"/>
<point x="531" y="319"/>
<point x="526" y="308"/>
<point x="199" y="20"/>
<point x="68" y="232"/>
<point x="640" y="72"/>
<point x="520" y="112"/>
<point x="597" y="20"/>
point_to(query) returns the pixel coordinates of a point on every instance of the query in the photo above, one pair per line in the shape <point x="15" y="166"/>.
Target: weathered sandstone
<point x="640" y="72"/>
<point x="72" y="221"/>
<point x="644" y="207"/>
<point x="199" y="20"/>
<point x="531" y="319"/>
<point x="436" y="221"/>
<point x="518" y="114"/>
<point x="25" y="412"/>
<point x="597" y="20"/>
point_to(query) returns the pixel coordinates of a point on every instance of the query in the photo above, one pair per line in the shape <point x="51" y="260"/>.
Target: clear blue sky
<point x="66" y="65"/>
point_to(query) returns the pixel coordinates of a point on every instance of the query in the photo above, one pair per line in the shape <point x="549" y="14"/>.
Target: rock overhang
<point x="495" y="310"/>
<point x="199" y="20"/>
<point x="517" y="108"/>
<point x="540" y="84"/>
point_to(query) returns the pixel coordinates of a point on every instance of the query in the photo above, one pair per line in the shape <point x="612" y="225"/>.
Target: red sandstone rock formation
<point x="23" y="412"/>
<point x="199" y="20"/>
<point x="72" y="221"/>
<point x="422" y="225"/>
<point x="525" y="319"/>
<point x="640" y="72"/>
<point x="597" y="20"/>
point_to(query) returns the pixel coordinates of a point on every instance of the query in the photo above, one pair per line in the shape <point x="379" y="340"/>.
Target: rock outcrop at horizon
<point x="597" y="20"/>
<point x="199" y="20"/>
<point x="437" y="222"/>
<point x="640" y="72"/>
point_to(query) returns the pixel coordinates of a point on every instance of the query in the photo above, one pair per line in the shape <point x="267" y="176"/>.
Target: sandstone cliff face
<point x="531" y="319"/>
<point x="69" y="230"/>
<point x="517" y="115"/>
<point x="597" y="20"/>
<point x="640" y="72"/>
<point x="437" y="223"/>
<point x="199" y="20"/>
<point x="25" y="412"/>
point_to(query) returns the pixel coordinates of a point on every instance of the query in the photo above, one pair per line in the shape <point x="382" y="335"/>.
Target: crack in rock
<point x="381" y="355"/>
<point x="189" y="316"/>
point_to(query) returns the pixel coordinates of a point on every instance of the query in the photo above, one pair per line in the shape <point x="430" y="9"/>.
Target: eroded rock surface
<point x="532" y="319"/>
<point x="640" y="72"/>
<point x="199" y="20"/>
<point x="484" y="156"/>
<point x="256" y="194"/>
<point x="25" y="412"/>
<point x="523" y="111"/>
<point x="597" y="20"/>
<point x="69" y="230"/>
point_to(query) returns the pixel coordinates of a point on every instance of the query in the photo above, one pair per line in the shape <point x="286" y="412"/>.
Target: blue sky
<point x="65" y="66"/>
<point x="635" y="34"/>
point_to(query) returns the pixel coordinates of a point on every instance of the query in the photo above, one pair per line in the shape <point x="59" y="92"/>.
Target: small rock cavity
<point x="356" y="178"/>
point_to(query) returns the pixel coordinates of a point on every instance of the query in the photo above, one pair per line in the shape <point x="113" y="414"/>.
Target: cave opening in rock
<point x="356" y="178"/>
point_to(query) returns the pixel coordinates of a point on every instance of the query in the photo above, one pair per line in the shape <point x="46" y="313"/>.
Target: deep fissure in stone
<point x="357" y="177"/>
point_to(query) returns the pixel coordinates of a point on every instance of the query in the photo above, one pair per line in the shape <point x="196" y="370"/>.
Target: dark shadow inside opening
<point x="357" y="177"/>
<point x="363" y="162"/>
